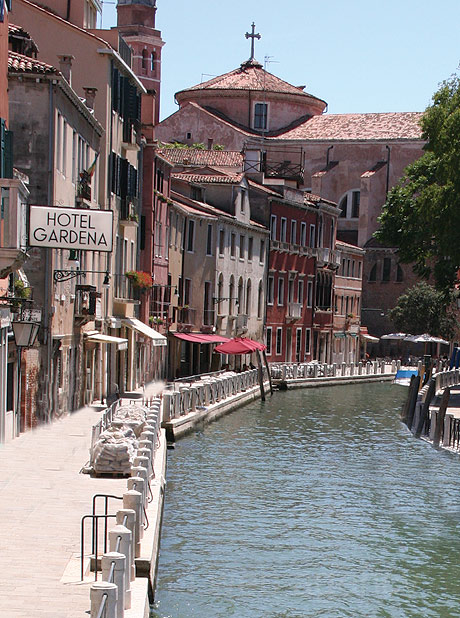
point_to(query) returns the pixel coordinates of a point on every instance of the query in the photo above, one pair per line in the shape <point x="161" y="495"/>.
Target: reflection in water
<point x="316" y="503"/>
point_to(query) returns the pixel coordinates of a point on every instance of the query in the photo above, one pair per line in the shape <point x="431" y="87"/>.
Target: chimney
<point x="90" y="95"/>
<point x="65" y="66"/>
<point x="210" y="143"/>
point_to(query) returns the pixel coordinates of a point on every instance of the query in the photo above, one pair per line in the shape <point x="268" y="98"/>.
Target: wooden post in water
<point x="426" y="407"/>
<point x="441" y="416"/>
<point x="261" y="375"/>
<point x="268" y="371"/>
<point x="405" y="410"/>
<point x="412" y="400"/>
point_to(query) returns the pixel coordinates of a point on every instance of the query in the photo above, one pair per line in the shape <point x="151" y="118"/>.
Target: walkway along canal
<point x="318" y="502"/>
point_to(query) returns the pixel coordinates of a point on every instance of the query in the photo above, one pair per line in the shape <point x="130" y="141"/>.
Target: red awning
<point x="240" y="345"/>
<point x="201" y="338"/>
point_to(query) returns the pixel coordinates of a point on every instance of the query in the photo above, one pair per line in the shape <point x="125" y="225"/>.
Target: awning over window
<point x="157" y="338"/>
<point x="367" y="337"/>
<point x="339" y="335"/>
<point x="122" y="344"/>
<point x="201" y="338"/>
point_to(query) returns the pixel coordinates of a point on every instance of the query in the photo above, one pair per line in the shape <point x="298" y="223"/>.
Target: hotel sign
<point x="70" y="228"/>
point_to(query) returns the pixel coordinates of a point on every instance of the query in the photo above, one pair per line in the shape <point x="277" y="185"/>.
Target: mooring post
<point x="441" y="416"/>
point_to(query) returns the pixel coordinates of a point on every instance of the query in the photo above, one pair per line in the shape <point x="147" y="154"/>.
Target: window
<point x="262" y="251"/>
<point x="74" y="157"/>
<point x="209" y="240"/>
<point x="283" y="229"/>
<point x="310" y="294"/>
<point x="259" y="301"/>
<point x="279" y="340"/>
<point x="242" y="246"/>
<point x="300" y="291"/>
<point x="307" y="340"/>
<point x="273" y="227"/>
<point x="268" y="340"/>
<point x="298" y="344"/>
<point x="207" y="308"/>
<point x="260" y="116"/>
<point x="59" y="142"/>
<point x="399" y="273"/>
<point x="248" y="297"/>
<point x="359" y="270"/>
<point x="232" y="244"/>
<point x="373" y="273"/>
<point x="152" y="62"/>
<point x="221" y="242"/>
<point x="191" y="234"/>
<point x="293" y="232"/>
<point x="64" y="148"/>
<point x="187" y="289"/>
<point x="312" y="235"/>
<point x="386" y="269"/>
<point x="250" y="248"/>
<point x="231" y="292"/>
<point x="144" y="58"/>
<point x="270" y="290"/>
<point x="280" y="291"/>
<point x="243" y="200"/>
<point x="291" y="290"/>
<point x="303" y="234"/>
<point x="349" y="204"/>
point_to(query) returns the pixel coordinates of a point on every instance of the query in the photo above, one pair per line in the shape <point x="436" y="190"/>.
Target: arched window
<point x="240" y="295"/>
<point x="231" y="292"/>
<point x="152" y="62"/>
<point x="349" y="204"/>
<point x="259" y="300"/>
<point x="248" y="297"/>
<point x="399" y="273"/>
<point x="331" y="245"/>
<point x="220" y="292"/>
<point x="144" y="58"/>
<point x="320" y="232"/>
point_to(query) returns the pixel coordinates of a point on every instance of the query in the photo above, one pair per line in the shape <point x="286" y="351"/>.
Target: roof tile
<point x="191" y="156"/>
<point x="18" y="63"/>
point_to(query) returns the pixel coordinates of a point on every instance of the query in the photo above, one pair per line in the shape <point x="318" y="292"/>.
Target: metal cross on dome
<point x="253" y="36"/>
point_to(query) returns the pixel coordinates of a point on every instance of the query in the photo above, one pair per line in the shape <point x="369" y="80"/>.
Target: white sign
<point x="31" y="315"/>
<point x="71" y="228"/>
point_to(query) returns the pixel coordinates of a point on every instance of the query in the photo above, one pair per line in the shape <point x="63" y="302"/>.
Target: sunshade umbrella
<point x="240" y="345"/>
<point x="425" y="338"/>
<point x="396" y="336"/>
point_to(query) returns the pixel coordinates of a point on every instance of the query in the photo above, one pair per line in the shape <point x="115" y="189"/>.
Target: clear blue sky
<point x="359" y="56"/>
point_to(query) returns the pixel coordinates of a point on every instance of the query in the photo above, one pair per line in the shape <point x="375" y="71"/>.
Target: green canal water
<point x="316" y="503"/>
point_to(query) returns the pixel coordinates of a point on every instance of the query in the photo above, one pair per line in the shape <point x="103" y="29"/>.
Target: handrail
<point x="82" y="542"/>
<point x="102" y="605"/>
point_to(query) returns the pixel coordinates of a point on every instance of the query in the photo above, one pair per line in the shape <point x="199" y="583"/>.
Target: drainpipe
<point x="69" y="2"/>
<point x="48" y="313"/>
<point x="327" y="155"/>
<point x="388" y="169"/>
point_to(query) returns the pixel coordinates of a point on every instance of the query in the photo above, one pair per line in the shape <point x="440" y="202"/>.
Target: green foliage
<point x="423" y="309"/>
<point x="196" y="146"/>
<point x="21" y="290"/>
<point x="422" y="213"/>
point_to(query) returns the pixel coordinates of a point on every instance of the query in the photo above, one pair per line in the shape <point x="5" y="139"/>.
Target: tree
<point x="423" y="309"/>
<point x="422" y="212"/>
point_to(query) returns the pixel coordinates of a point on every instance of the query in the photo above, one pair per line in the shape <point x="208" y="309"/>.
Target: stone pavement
<point x="453" y="407"/>
<point x="43" y="497"/>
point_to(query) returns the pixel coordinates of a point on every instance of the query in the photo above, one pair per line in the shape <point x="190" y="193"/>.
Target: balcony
<point x="287" y="169"/>
<point x="294" y="311"/>
<point x="123" y="289"/>
<point x="87" y="303"/>
<point x="185" y="318"/>
<point x="128" y="212"/>
<point x="326" y="257"/>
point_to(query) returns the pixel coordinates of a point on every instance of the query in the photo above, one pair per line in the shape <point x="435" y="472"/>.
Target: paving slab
<point x="43" y="496"/>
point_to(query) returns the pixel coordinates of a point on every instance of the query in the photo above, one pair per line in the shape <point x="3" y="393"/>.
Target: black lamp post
<point x="25" y="334"/>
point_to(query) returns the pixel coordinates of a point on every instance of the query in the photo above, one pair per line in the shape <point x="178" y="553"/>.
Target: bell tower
<point x="136" y="24"/>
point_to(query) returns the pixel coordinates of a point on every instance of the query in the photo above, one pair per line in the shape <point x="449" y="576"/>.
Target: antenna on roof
<point x="268" y="60"/>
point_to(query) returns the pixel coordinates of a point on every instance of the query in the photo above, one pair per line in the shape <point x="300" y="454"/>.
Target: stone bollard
<point x="283" y="373"/>
<point x="167" y="406"/>
<point x="352" y="369"/>
<point x="146" y="445"/>
<point x="193" y="398"/>
<point x="315" y="370"/>
<point x="97" y="592"/>
<point x="398" y="365"/>
<point x="334" y="369"/>
<point x="147" y="453"/>
<point x="139" y="484"/>
<point x="118" y="560"/>
<point x="127" y="518"/>
<point x="295" y="372"/>
<point x="447" y="429"/>
<point x="148" y="436"/>
<point x="142" y="461"/>
<point x="344" y="369"/>
<point x="132" y="499"/>
<point x="360" y="368"/>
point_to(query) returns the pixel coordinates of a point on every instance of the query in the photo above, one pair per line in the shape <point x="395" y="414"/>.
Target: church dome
<point x="246" y="93"/>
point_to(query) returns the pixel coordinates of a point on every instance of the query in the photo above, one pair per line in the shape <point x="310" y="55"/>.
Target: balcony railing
<point x="208" y="317"/>
<point x="283" y="169"/>
<point x="123" y="288"/>
<point x="185" y="317"/>
<point x="241" y="321"/>
<point x="294" y="311"/>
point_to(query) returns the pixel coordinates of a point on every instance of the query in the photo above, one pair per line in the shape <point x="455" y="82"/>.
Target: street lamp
<point x="25" y="334"/>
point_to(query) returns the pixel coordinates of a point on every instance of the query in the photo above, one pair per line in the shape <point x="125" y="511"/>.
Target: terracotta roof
<point x="194" y="211"/>
<point x="209" y="178"/>
<point x="250" y="76"/>
<point x="346" y="245"/>
<point x="378" y="166"/>
<point x="349" y="127"/>
<point x="18" y="63"/>
<point x="191" y="156"/>
<point x="12" y="29"/>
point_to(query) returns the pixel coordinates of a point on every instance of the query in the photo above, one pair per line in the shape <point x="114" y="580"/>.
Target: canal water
<point x="315" y="503"/>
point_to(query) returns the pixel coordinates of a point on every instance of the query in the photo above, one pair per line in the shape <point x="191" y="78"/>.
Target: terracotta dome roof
<point x="249" y="76"/>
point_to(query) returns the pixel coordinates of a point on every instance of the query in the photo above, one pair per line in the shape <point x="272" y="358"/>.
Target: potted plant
<point x="140" y="279"/>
